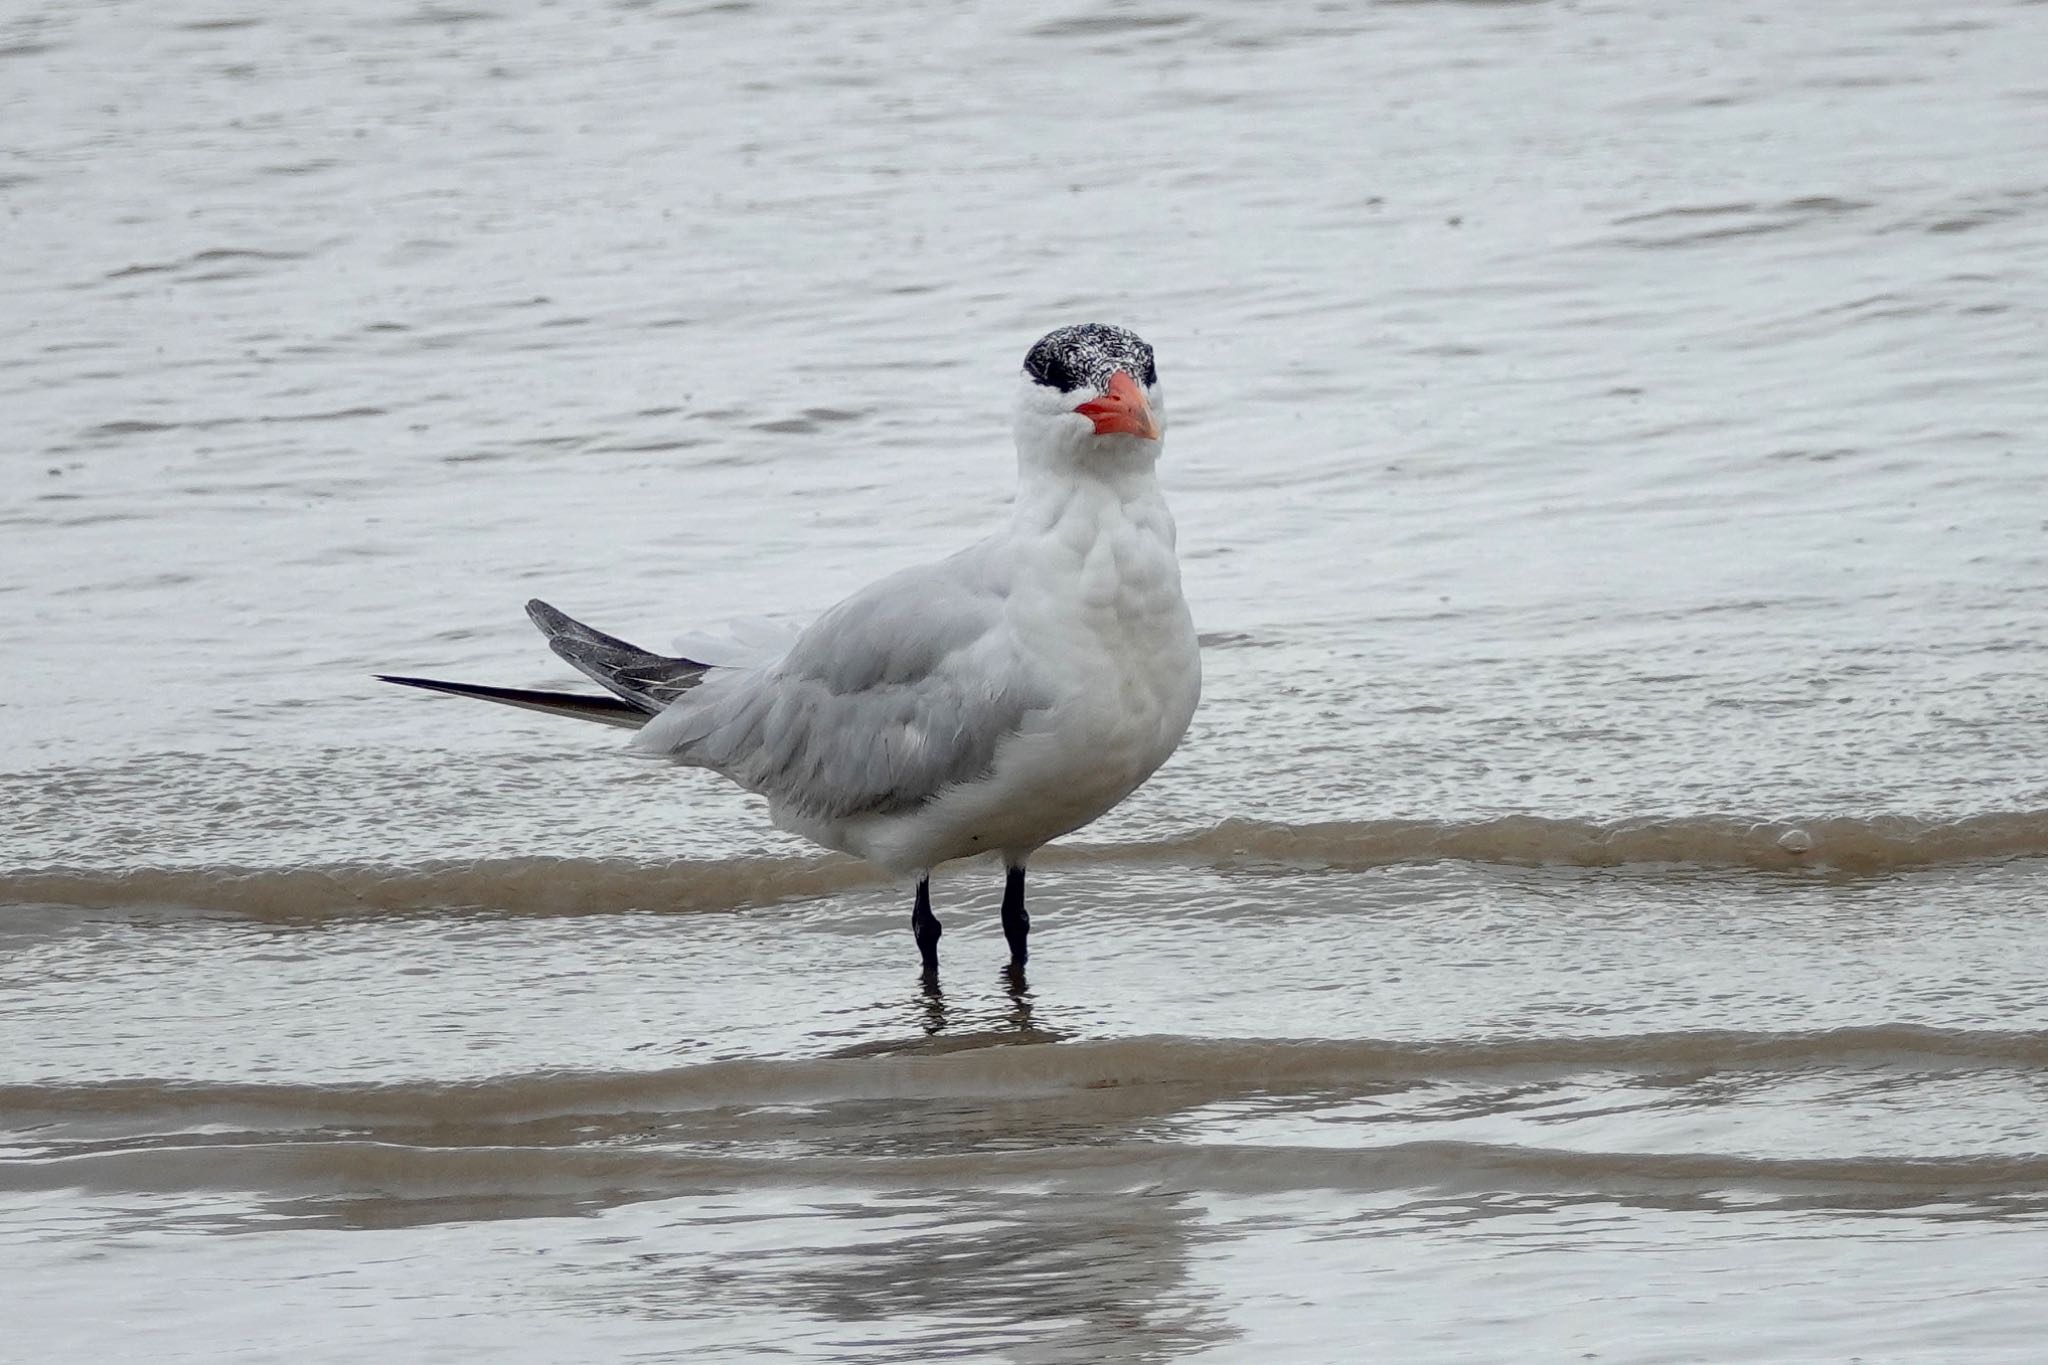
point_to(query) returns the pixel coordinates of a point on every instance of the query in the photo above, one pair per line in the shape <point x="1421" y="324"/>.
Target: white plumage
<point x="989" y="702"/>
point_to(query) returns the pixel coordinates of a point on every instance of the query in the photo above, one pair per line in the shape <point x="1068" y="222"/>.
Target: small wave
<point x="342" y="1169"/>
<point x="1200" y="1070"/>
<point x="1841" y="843"/>
<point x="596" y="886"/>
<point x="510" y="886"/>
<point x="1689" y="225"/>
<point x="212" y="257"/>
<point x="1115" y="26"/>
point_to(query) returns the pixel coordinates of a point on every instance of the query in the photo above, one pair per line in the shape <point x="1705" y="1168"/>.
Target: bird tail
<point x="642" y="684"/>
<point x="603" y="710"/>
<point x="649" y="681"/>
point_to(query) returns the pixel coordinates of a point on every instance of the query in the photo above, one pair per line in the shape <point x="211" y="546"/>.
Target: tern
<point x="986" y="703"/>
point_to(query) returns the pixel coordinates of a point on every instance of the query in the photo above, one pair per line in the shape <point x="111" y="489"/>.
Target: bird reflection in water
<point x="1013" y="1024"/>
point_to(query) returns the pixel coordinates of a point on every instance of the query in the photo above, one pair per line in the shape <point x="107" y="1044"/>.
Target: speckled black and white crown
<point x="1085" y="356"/>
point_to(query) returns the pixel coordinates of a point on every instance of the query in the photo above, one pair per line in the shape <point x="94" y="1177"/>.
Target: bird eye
<point x="1051" y="367"/>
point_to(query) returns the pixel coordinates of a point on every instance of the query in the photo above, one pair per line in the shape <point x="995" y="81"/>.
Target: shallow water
<point x="1595" y="914"/>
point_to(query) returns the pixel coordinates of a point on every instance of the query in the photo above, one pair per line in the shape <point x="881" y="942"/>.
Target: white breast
<point x="1096" y="612"/>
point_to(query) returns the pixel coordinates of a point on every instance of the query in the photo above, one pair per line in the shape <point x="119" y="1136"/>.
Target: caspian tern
<point x="990" y="702"/>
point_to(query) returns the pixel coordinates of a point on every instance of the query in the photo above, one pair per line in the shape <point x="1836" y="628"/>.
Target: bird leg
<point x="925" y="925"/>
<point x="1016" y="923"/>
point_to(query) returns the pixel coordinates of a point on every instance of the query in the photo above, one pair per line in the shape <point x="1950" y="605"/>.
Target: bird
<point x="988" y="702"/>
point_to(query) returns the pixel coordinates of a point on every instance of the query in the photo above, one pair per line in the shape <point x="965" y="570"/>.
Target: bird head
<point x="1091" y="393"/>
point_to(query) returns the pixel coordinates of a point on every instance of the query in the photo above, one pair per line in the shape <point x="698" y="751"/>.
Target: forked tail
<point x="642" y="683"/>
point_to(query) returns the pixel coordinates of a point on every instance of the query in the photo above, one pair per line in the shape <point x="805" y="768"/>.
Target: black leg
<point x="1016" y="923"/>
<point x="925" y="925"/>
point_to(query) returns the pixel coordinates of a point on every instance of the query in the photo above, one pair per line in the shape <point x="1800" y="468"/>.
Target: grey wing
<point x="894" y="695"/>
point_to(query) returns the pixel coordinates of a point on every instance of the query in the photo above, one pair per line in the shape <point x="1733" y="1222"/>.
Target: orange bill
<point x="1122" y="411"/>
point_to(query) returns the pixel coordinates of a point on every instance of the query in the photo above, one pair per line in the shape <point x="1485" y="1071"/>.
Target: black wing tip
<point x="453" y="689"/>
<point x="404" y="681"/>
<point x="583" y="706"/>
